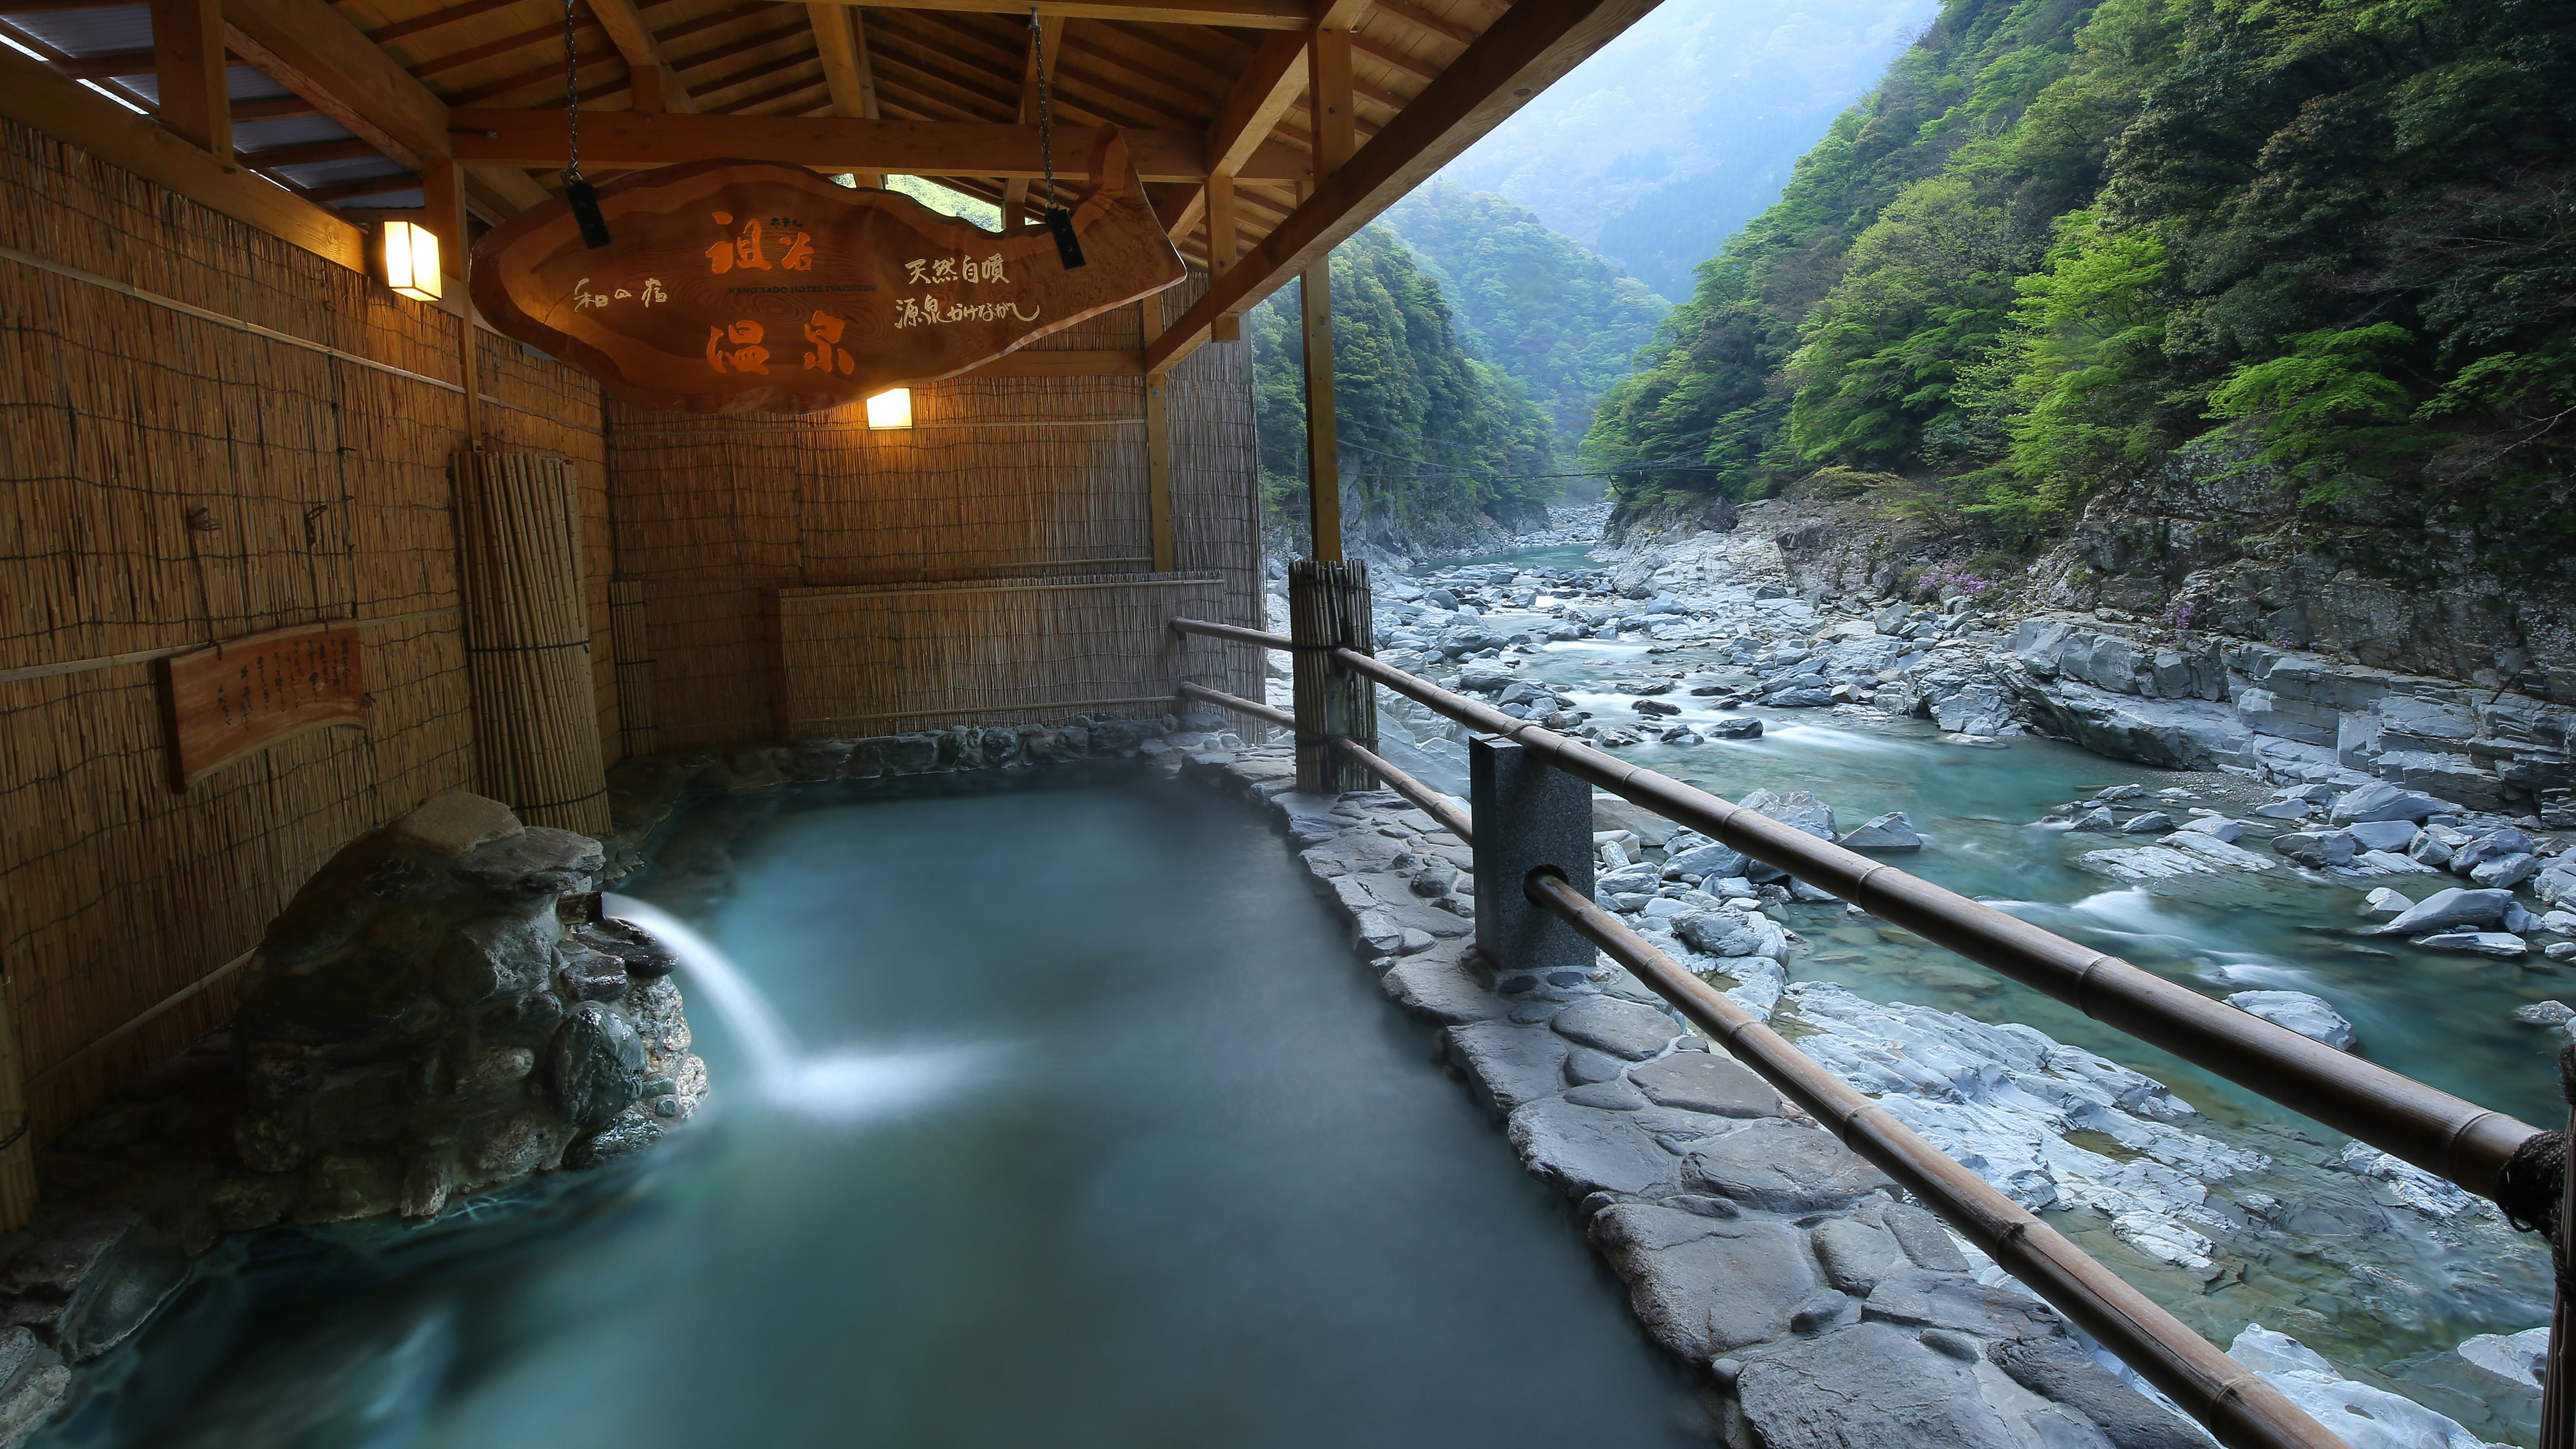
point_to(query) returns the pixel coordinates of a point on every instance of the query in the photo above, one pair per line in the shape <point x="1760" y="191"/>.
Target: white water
<point x="846" y="1085"/>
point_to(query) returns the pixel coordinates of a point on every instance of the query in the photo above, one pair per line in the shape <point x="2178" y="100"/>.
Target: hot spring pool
<point x="1096" y="1136"/>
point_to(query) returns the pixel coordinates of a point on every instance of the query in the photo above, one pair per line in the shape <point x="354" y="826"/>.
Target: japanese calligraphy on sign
<point x="241" y="697"/>
<point x="733" y="286"/>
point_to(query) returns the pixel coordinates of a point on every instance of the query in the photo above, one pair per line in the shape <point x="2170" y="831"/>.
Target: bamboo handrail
<point x="2237" y="1405"/>
<point x="1431" y="802"/>
<point x="2443" y="1134"/>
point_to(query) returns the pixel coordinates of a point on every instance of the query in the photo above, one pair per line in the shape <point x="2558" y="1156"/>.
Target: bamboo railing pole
<point x="2234" y="1402"/>
<point x="1424" y="798"/>
<point x="1268" y="713"/>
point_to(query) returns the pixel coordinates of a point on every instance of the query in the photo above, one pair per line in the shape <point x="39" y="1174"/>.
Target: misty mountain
<point x="1681" y="130"/>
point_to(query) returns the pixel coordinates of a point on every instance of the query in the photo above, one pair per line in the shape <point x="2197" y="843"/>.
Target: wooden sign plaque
<point x="730" y="286"/>
<point x="240" y="697"/>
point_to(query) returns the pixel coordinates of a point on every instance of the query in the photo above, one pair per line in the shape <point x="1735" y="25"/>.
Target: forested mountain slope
<point x="1553" y="315"/>
<point x="1438" y="448"/>
<point x="2258" y="300"/>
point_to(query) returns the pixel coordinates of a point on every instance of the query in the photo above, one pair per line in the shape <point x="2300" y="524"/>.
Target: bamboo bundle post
<point x="527" y="640"/>
<point x="630" y="635"/>
<point x="1328" y="609"/>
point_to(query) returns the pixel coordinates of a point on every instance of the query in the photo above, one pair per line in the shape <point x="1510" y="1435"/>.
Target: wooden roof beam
<point x="189" y="62"/>
<point x="1242" y="14"/>
<point x="307" y="47"/>
<point x="1533" y="45"/>
<point x="535" y="139"/>
<point x="634" y="40"/>
<point x="422" y="24"/>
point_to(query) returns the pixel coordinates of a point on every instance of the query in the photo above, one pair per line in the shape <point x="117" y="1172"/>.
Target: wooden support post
<point x="1224" y="248"/>
<point x="644" y="85"/>
<point x="1328" y="609"/>
<point x="442" y="189"/>
<point x="1323" y="437"/>
<point x="188" y="59"/>
<point x="1328" y="98"/>
<point x="1158" y="446"/>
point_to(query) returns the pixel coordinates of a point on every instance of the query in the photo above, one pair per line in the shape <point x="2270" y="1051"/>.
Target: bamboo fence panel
<point x="1216" y="494"/>
<point x="527" y="636"/>
<point x="631" y="636"/>
<point x="887" y="658"/>
<point x="169" y="480"/>
<point x="1000" y="477"/>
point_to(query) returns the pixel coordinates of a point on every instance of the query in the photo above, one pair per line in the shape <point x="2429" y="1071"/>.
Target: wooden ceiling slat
<point x="421" y="24"/>
<point x="270" y="158"/>
<point x="368" y="186"/>
<point x="1393" y="58"/>
<point x="601" y="53"/>
<point x="507" y="45"/>
<point x="776" y="66"/>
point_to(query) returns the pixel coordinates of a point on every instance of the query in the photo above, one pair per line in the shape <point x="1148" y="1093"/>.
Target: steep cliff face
<point x="2455" y="588"/>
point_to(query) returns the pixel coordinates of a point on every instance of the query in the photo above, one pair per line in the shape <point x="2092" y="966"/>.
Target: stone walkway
<point x="1826" y="1311"/>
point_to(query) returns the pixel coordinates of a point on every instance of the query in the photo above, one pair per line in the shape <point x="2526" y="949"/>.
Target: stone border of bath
<point x="1820" y="1307"/>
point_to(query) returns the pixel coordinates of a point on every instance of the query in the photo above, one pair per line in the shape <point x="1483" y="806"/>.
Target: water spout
<point x="844" y="1085"/>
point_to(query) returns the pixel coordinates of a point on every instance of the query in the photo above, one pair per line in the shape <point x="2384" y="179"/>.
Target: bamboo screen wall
<point x="885" y="658"/>
<point x="999" y="477"/>
<point x="172" y="480"/>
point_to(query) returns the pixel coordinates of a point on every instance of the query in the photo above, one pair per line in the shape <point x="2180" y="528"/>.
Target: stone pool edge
<point x="1788" y="1274"/>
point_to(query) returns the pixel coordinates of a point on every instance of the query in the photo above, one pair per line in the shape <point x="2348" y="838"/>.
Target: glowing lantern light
<point x="891" y="408"/>
<point x="411" y="261"/>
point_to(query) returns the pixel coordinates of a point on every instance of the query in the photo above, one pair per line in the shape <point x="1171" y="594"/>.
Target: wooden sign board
<point x="238" y="698"/>
<point x="730" y="286"/>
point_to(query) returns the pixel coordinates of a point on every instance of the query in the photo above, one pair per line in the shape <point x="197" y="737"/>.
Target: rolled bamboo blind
<point x="527" y="640"/>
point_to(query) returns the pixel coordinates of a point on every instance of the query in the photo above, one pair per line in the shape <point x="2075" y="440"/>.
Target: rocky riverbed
<point x="2364" y="816"/>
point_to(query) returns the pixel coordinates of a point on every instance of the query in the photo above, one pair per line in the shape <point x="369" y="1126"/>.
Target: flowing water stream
<point x="2385" y="1292"/>
<point x="1054" y="1116"/>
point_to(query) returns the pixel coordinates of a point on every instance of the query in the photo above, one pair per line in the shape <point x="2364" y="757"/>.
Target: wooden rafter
<point x="306" y="46"/>
<point x="634" y="40"/>
<point x="1244" y="14"/>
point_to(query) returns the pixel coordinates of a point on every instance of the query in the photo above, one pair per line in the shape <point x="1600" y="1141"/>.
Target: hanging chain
<point x="572" y="97"/>
<point x="1046" y="128"/>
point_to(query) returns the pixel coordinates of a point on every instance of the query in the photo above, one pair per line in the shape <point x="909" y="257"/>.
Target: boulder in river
<point x="1892" y="831"/>
<point x="2307" y="1015"/>
<point x="2217" y="827"/>
<point x="2501" y="944"/>
<point x="2384" y="904"/>
<point x="2452" y="909"/>
<point x="2154" y="822"/>
<point x="2380" y="800"/>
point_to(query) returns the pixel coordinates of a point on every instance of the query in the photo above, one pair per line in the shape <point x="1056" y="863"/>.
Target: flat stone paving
<point x="1826" y="1310"/>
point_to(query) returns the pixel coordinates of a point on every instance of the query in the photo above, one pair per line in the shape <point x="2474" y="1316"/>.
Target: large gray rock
<point x="1855" y="1254"/>
<point x="1891" y="832"/>
<point x="2449" y="910"/>
<point x="1507" y="1064"/>
<point x="1624" y="1028"/>
<point x="1782" y="1167"/>
<point x="1704" y="1286"/>
<point x="2504" y="872"/>
<point x="2307" y="1015"/>
<point x="1799" y="809"/>
<point x="421" y="1023"/>
<point x="1708" y="860"/>
<point x="1928" y="1299"/>
<point x="1868" y="1386"/>
<point x="2059" y="1370"/>
<point x="1583" y="1150"/>
<point x="1706" y="1082"/>
<point x="2380" y="800"/>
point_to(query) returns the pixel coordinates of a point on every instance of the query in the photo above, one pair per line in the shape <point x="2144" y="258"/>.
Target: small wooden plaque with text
<point x="240" y="697"/>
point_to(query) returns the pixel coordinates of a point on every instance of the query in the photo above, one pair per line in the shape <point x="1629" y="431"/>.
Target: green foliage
<point x="1556" y="318"/>
<point x="2056" y="243"/>
<point x="1430" y="437"/>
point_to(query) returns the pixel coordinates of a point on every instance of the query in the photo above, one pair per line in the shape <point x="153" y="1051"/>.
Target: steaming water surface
<point x="1072" y="1123"/>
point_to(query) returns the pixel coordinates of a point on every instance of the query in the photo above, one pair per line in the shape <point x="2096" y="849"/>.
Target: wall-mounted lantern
<point x="891" y="408"/>
<point x="411" y="261"/>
